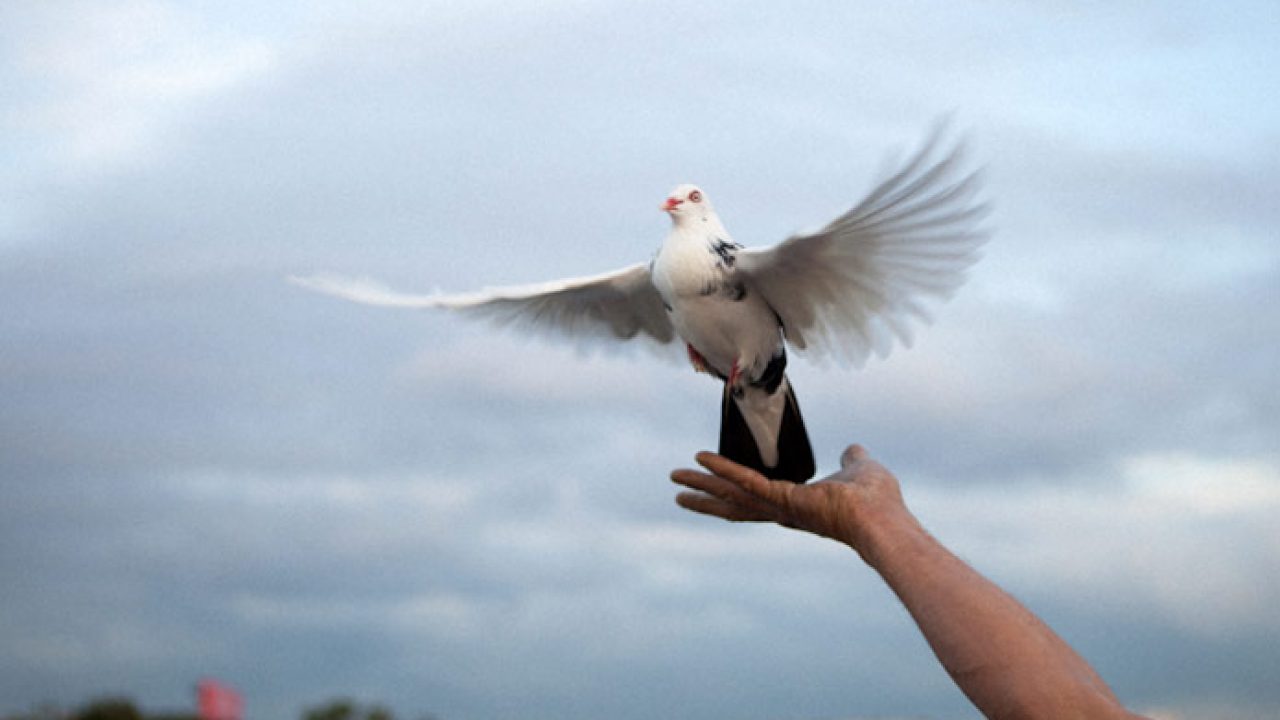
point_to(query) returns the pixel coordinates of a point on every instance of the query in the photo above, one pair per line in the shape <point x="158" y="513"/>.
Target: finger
<point x="714" y="485"/>
<point x="724" y="467"/>
<point x="852" y="454"/>
<point x="744" y="477"/>
<point x="695" y="479"/>
<point x="708" y="505"/>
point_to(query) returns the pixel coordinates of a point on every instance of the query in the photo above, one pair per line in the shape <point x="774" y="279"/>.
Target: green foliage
<point x="104" y="708"/>
<point x="348" y="709"/>
<point x="341" y="709"/>
<point x="123" y="708"/>
<point x="112" y="708"/>
<point x="378" y="712"/>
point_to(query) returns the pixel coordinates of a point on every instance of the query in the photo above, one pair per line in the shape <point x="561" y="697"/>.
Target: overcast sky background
<point x="206" y="471"/>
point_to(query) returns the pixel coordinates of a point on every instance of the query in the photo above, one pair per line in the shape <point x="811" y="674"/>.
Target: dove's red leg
<point x="735" y="376"/>
<point x="695" y="358"/>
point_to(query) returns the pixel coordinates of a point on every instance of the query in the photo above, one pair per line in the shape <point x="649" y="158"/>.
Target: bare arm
<point x="1005" y="659"/>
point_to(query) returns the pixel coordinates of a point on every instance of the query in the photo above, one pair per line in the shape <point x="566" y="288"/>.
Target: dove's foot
<point x="695" y="358"/>
<point x="734" y="383"/>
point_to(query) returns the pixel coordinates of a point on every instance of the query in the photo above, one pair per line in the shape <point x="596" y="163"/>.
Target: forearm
<point x="1008" y="662"/>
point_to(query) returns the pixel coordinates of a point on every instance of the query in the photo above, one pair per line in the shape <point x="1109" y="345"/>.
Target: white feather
<point x="851" y="289"/>
<point x="618" y="305"/>
<point x="364" y="290"/>
<point x="854" y="287"/>
<point x="763" y="414"/>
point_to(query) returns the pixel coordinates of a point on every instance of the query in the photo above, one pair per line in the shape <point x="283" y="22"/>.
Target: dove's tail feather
<point x="765" y="432"/>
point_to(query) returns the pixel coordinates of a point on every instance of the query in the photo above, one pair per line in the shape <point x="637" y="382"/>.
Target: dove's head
<point x="688" y="204"/>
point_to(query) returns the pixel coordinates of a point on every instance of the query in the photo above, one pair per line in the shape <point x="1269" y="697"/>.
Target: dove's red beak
<point x="671" y="204"/>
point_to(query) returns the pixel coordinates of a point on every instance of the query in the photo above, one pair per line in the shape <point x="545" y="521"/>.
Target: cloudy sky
<point x="206" y="471"/>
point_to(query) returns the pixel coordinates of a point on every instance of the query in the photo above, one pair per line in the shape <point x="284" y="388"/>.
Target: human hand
<point x="845" y="506"/>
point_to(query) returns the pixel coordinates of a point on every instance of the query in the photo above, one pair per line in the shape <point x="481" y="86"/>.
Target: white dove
<point x="847" y="290"/>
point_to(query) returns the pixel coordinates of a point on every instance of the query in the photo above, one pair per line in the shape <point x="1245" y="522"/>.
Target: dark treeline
<point x="122" y="708"/>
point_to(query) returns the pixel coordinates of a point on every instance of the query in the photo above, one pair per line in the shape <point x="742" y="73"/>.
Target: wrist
<point x="881" y="534"/>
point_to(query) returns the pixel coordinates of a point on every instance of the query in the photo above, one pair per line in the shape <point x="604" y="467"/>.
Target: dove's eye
<point x="695" y="196"/>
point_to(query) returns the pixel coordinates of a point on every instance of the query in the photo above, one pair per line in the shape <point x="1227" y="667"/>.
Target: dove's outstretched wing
<point x="617" y="305"/>
<point x="857" y="284"/>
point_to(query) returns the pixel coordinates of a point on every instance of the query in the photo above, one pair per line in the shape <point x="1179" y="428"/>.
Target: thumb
<point x="853" y="454"/>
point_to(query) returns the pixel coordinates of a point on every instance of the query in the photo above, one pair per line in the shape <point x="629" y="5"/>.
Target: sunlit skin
<point x="1004" y="658"/>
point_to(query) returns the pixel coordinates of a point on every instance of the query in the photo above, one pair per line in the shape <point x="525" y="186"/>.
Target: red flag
<point x="216" y="701"/>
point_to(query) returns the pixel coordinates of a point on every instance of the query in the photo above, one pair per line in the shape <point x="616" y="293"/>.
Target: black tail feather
<point x="795" y="454"/>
